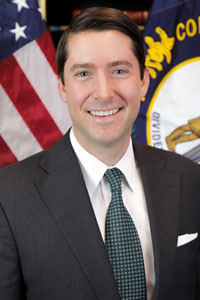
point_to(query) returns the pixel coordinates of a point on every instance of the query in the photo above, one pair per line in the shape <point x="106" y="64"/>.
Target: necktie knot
<point x="114" y="177"/>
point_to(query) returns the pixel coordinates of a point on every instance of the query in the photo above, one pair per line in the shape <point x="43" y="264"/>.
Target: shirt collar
<point x="93" y="169"/>
<point x="127" y="165"/>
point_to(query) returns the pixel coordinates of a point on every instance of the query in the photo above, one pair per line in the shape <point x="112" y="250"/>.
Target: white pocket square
<point x="186" y="238"/>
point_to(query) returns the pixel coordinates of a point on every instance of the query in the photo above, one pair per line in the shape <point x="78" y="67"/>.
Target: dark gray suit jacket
<point x="50" y="244"/>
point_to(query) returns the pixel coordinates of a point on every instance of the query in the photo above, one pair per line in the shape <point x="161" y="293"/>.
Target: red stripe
<point x="27" y="102"/>
<point x="7" y="157"/>
<point x="45" y="43"/>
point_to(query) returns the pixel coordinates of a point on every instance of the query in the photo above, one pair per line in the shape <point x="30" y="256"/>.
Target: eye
<point x="82" y="74"/>
<point x="120" y="72"/>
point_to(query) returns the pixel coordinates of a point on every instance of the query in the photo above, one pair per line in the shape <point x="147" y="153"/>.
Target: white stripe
<point x="14" y="130"/>
<point x="44" y="81"/>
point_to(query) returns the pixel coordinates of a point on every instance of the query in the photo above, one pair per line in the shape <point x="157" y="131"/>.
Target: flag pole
<point x="44" y="8"/>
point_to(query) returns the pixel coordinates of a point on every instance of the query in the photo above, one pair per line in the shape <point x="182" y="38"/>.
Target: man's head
<point x="102" y="79"/>
<point x="99" y="19"/>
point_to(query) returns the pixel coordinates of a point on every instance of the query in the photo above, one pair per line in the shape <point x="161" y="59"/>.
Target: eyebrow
<point x="120" y="63"/>
<point x="111" y="64"/>
<point x="81" y="66"/>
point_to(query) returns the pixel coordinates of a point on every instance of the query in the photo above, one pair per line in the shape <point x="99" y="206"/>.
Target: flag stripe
<point x="31" y="109"/>
<point x="32" y="115"/>
<point x="49" y="96"/>
<point x="7" y="156"/>
<point x="14" y="130"/>
<point x="49" y="51"/>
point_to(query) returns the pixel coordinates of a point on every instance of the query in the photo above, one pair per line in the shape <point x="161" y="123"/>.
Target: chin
<point x="108" y="139"/>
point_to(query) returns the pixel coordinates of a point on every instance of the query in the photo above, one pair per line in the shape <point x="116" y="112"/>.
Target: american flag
<point x="32" y="116"/>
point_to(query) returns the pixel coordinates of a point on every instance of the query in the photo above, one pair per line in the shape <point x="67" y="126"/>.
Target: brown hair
<point x="99" y="19"/>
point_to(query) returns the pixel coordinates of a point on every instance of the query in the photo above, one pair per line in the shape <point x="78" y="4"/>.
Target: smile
<point x="101" y="113"/>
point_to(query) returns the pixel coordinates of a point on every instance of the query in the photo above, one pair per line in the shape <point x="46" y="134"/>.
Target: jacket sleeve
<point x="10" y="271"/>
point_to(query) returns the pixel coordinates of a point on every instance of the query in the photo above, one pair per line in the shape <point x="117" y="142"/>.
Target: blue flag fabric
<point x="170" y="114"/>
<point x="16" y="19"/>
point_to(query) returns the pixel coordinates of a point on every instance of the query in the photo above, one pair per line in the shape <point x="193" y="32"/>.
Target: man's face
<point x="102" y="87"/>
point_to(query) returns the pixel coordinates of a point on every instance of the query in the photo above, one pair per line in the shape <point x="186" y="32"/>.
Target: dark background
<point x="60" y="12"/>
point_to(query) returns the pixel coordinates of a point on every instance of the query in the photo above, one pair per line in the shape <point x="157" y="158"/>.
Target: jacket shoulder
<point x="170" y="159"/>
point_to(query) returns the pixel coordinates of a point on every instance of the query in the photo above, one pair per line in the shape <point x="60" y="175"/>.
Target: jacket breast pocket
<point x="186" y="268"/>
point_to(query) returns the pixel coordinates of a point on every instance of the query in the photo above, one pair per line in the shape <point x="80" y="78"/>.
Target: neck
<point x="108" y="153"/>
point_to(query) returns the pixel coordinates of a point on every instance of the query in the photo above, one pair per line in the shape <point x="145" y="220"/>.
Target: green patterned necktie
<point x="123" y="244"/>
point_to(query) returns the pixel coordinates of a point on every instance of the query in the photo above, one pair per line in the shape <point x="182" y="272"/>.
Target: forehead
<point x="102" y="43"/>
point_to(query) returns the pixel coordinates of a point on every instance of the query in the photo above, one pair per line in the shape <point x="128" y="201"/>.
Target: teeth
<point x="100" y="113"/>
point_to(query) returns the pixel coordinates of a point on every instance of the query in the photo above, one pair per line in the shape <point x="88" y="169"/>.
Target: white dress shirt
<point x="133" y="197"/>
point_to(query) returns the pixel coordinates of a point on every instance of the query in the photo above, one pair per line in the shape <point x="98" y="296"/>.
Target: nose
<point x="103" y="87"/>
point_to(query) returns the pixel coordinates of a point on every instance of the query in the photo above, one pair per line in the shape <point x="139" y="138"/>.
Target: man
<point x="53" y="205"/>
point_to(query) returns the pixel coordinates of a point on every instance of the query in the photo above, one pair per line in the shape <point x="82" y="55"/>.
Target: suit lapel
<point x="161" y="192"/>
<point x="65" y="195"/>
<point x="63" y="190"/>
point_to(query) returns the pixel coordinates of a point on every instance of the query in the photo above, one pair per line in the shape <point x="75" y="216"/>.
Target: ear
<point x="145" y="83"/>
<point x="62" y="90"/>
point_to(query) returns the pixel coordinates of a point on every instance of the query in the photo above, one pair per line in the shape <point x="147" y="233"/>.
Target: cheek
<point x="74" y="94"/>
<point x="78" y="94"/>
<point x="132" y="96"/>
<point x="131" y="93"/>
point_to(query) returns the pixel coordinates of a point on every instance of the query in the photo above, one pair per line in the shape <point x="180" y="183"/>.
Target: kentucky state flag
<point x="170" y="114"/>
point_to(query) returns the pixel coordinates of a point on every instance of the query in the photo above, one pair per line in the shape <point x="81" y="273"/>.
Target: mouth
<point x="101" y="113"/>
